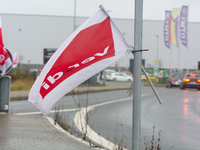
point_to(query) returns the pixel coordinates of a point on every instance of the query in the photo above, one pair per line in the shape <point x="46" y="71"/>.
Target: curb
<point x="23" y="95"/>
<point x="58" y="127"/>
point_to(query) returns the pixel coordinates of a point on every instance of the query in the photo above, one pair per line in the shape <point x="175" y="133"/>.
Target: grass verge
<point x="22" y="84"/>
<point x="155" y="84"/>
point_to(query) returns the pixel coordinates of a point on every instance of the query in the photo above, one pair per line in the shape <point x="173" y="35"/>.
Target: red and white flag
<point x="96" y="44"/>
<point x="15" y="61"/>
<point x="5" y="61"/>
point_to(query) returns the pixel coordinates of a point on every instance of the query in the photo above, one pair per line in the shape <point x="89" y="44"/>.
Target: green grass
<point x="26" y="84"/>
<point x="155" y="84"/>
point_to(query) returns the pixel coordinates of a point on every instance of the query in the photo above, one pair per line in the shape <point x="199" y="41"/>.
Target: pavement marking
<point x="52" y="111"/>
<point x="83" y="127"/>
<point x="74" y="109"/>
<point x="81" y="124"/>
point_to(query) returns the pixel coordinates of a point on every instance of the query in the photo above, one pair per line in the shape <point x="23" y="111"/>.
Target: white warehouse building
<point x="31" y="35"/>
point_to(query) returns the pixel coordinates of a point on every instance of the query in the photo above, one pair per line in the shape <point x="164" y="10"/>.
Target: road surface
<point x="178" y="117"/>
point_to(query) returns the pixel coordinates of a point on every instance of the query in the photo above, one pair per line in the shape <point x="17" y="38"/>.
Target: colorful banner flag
<point x="96" y="44"/>
<point x="173" y="28"/>
<point x="183" y="25"/>
<point x="15" y="61"/>
<point x="166" y="28"/>
<point x="5" y="59"/>
<point x="174" y="31"/>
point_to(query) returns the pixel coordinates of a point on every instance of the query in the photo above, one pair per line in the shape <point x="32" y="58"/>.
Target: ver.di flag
<point x="96" y="44"/>
<point x="5" y="61"/>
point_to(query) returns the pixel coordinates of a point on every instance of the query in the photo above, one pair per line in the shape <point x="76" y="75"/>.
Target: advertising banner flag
<point x="15" y="61"/>
<point x="183" y="25"/>
<point x="5" y="61"/>
<point x="166" y="28"/>
<point x="174" y="31"/>
<point x="96" y="44"/>
<point x="173" y="28"/>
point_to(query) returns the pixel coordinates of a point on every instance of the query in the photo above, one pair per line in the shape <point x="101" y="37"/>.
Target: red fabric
<point x="3" y="52"/>
<point x="80" y="53"/>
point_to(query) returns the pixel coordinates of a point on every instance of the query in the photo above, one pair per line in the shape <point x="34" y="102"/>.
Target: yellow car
<point x="151" y="77"/>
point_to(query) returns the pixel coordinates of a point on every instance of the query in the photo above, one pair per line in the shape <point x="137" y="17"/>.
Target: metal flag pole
<point x="153" y="88"/>
<point x="179" y="46"/>
<point x="136" y="121"/>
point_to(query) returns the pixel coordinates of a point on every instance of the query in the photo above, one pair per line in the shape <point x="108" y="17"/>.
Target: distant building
<point x="35" y="37"/>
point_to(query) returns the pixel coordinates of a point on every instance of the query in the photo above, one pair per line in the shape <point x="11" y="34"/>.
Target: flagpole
<point x="179" y="47"/>
<point x="187" y="71"/>
<point x="179" y="51"/>
<point x="157" y="64"/>
<point x="170" y="60"/>
<point x="136" y="121"/>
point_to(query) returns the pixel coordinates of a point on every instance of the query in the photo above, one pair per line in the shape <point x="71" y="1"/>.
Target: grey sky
<point x="152" y="9"/>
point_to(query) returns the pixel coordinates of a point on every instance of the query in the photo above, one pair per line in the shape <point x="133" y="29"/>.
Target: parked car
<point x="118" y="76"/>
<point x="142" y="74"/>
<point x="174" y="80"/>
<point x="106" y="72"/>
<point x="151" y="77"/>
<point x="190" y="81"/>
<point x="109" y="71"/>
<point x="128" y="73"/>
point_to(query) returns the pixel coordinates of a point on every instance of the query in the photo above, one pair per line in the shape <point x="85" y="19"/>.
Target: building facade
<point x="31" y="35"/>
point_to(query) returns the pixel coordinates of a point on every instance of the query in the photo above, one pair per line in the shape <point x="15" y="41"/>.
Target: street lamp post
<point x="74" y="15"/>
<point x="157" y="62"/>
<point x="157" y="49"/>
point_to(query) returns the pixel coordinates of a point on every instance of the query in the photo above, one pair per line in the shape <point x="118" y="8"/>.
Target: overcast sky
<point x="152" y="9"/>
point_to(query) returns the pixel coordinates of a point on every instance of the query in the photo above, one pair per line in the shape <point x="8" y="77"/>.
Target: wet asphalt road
<point x="178" y="117"/>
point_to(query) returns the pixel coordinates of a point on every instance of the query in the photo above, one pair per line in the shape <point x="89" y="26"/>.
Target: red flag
<point x="5" y="61"/>
<point x="96" y="44"/>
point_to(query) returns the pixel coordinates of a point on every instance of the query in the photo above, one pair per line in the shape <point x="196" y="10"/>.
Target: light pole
<point x="157" y="62"/>
<point x="74" y="15"/>
<point x="136" y="121"/>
